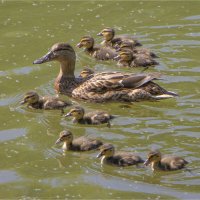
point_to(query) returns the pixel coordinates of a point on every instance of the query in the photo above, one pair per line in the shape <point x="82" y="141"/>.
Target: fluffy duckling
<point x="111" y="41"/>
<point x="33" y="100"/>
<point x="94" y="117"/>
<point x="128" y="59"/>
<point x="86" y="73"/>
<point x="166" y="163"/>
<point x="79" y="144"/>
<point x="127" y="45"/>
<point x="120" y="158"/>
<point x="98" y="52"/>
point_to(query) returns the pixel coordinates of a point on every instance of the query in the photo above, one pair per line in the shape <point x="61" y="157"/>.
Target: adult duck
<point x="111" y="41"/>
<point x="97" y="52"/>
<point x="104" y="86"/>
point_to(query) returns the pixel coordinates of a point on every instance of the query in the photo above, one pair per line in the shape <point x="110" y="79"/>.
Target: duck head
<point x="106" y="151"/>
<point x="30" y="98"/>
<point x="107" y="33"/>
<point x="86" y="42"/>
<point x="124" y="55"/>
<point x="86" y="72"/>
<point x="77" y="113"/>
<point x="153" y="157"/>
<point x="65" y="137"/>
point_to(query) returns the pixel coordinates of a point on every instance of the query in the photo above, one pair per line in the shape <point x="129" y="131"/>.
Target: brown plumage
<point x="129" y="59"/>
<point x="111" y="41"/>
<point x="33" y="100"/>
<point x="94" y="117"/>
<point x="127" y="45"/>
<point x="120" y="158"/>
<point x="105" y="86"/>
<point x="98" y="52"/>
<point x="86" y="73"/>
<point x="165" y="163"/>
<point x="79" y="144"/>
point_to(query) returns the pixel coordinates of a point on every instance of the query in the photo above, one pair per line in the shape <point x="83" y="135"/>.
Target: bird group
<point x="103" y="87"/>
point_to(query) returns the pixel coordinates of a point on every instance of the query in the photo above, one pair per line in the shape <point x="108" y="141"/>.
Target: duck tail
<point x="165" y="96"/>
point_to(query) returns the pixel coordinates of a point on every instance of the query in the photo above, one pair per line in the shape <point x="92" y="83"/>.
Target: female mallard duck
<point x="95" y="117"/>
<point x="79" y="144"/>
<point x="166" y="163"/>
<point x="98" y="52"/>
<point x="105" y="86"/>
<point x="111" y="41"/>
<point x="121" y="158"/>
<point x="33" y="100"/>
<point x="127" y="58"/>
<point x="127" y="45"/>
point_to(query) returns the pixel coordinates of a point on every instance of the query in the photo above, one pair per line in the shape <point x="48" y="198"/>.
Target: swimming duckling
<point x="120" y="158"/>
<point x="128" y="59"/>
<point x="94" y="117"/>
<point x="79" y="144"/>
<point x="33" y="100"/>
<point x="98" y="52"/>
<point x="111" y="41"/>
<point x="127" y="45"/>
<point x="166" y="163"/>
<point x="86" y="73"/>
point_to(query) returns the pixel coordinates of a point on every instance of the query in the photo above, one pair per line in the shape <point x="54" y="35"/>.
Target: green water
<point x="32" y="166"/>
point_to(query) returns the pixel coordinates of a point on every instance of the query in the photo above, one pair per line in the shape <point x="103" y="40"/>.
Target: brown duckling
<point x="103" y="86"/>
<point x="128" y="59"/>
<point x="98" y="52"/>
<point x="94" y="117"/>
<point x="165" y="163"/>
<point x="127" y="45"/>
<point x="33" y="100"/>
<point x="120" y="158"/>
<point x="86" y="73"/>
<point x="111" y="41"/>
<point x="79" y="144"/>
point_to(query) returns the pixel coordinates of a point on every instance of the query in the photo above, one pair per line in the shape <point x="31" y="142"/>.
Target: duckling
<point x="127" y="45"/>
<point x="98" y="52"/>
<point x="121" y="158"/>
<point x="128" y="59"/>
<point x="95" y="117"/>
<point x="166" y="163"/>
<point x="86" y="73"/>
<point x="103" y="86"/>
<point x="79" y="144"/>
<point x="111" y="41"/>
<point x="33" y="100"/>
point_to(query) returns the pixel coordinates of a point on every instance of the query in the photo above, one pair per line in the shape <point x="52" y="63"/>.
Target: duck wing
<point x="107" y="81"/>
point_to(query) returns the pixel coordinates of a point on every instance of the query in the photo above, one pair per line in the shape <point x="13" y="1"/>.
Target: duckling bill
<point x="166" y="163"/>
<point x="78" y="144"/>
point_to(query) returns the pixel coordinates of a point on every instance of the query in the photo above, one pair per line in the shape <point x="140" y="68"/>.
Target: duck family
<point x="105" y="86"/>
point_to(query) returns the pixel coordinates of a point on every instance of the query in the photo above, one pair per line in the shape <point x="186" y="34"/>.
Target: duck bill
<point x="58" y="141"/>
<point x="46" y="58"/>
<point x="99" y="155"/>
<point x="68" y="114"/>
<point x="22" y="102"/>
<point x="146" y="162"/>
<point x="99" y="34"/>
<point x="117" y="57"/>
<point x="79" y="45"/>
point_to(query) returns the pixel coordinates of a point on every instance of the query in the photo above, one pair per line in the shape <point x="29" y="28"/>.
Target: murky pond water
<point x="32" y="166"/>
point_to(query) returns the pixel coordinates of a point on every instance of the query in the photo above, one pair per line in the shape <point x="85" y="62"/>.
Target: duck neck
<point x="67" y="69"/>
<point x="156" y="165"/>
<point x="67" y="145"/>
